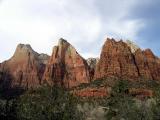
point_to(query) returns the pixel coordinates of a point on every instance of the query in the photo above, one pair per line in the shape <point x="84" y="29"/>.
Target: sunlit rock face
<point x="66" y="67"/>
<point x="132" y="46"/>
<point x="25" y="69"/>
<point x="127" y="61"/>
<point x="116" y="60"/>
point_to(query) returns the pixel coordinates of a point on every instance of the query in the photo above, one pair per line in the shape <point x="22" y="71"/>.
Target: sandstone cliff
<point x="116" y="60"/>
<point x="127" y="61"/>
<point x="24" y="69"/>
<point x="66" y="67"/>
<point x="148" y="64"/>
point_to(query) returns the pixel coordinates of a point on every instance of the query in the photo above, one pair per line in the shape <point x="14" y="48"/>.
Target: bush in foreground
<point x="48" y="103"/>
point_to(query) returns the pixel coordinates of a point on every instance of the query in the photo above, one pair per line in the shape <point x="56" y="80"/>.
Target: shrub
<point x="123" y="106"/>
<point x="48" y="104"/>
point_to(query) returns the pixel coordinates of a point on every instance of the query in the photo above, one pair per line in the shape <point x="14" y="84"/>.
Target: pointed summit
<point x="149" y="53"/>
<point x="64" y="44"/>
<point x="132" y="46"/>
<point x="24" y="50"/>
<point x="26" y="67"/>
<point x="61" y="41"/>
<point x="66" y="67"/>
<point x="24" y="46"/>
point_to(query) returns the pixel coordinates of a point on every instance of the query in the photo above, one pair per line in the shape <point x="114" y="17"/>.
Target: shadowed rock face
<point x="92" y="62"/>
<point x="25" y="68"/>
<point x="66" y="67"/>
<point x="148" y="64"/>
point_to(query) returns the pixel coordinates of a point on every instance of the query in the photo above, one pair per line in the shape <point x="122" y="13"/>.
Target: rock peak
<point x="132" y="46"/>
<point x="24" y="46"/>
<point x="110" y="40"/>
<point x="26" y="67"/>
<point x="23" y="51"/>
<point x="64" y="46"/>
<point x="62" y="41"/>
<point x="66" y="67"/>
<point x="149" y="53"/>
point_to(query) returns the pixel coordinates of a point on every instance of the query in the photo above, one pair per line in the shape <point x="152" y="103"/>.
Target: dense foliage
<point x="44" y="103"/>
<point x="124" y="106"/>
<point x="54" y="103"/>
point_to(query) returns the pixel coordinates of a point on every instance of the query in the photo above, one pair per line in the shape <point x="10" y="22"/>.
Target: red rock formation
<point x="116" y="60"/>
<point x="148" y="64"/>
<point x="92" y="92"/>
<point x="25" y="68"/>
<point x="141" y="62"/>
<point x="153" y="64"/>
<point x="66" y="67"/>
<point x="123" y="60"/>
<point x="141" y="93"/>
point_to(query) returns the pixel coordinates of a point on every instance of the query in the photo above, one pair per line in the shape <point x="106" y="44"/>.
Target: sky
<point x="84" y="23"/>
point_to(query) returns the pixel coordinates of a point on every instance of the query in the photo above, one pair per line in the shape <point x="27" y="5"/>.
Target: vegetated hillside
<point x="56" y="103"/>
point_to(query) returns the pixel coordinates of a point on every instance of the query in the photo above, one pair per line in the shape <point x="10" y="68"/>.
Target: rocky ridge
<point x="67" y="68"/>
<point x="118" y="60"/>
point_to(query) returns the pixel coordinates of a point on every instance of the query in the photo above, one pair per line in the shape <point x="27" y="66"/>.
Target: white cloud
<point x="82" y="22"/>
<point x="126" y="29"/>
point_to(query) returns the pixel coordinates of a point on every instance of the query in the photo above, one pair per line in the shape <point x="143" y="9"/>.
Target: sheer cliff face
<point x="28" y="69"/>
<point x="123" y="60"/>
<point x="148" y="64"/>
<point x="66" y="67"/>
<point x="25" y="68"/>
<point x="116" y="60"/>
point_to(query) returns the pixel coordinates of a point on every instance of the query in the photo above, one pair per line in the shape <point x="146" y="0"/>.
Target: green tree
<point x="123" y="106"/>
<point x="48" y="103"/>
